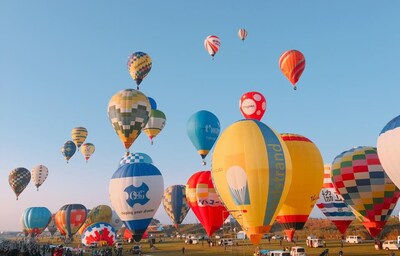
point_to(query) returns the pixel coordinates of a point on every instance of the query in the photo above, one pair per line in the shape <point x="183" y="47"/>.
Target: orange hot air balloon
<point x="292" y="64"/>
<point x="307" y="181"/>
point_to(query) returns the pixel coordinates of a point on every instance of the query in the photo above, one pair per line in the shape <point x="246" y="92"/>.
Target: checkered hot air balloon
<point x="358" y="176"/>
<point x="137" y="157"/>
<point x="292" y="64"/>
<point x="139" y="65"/>
<point x="18" y="179"/>
<point x="129" y="112"/>
<point x="175" y="203"/>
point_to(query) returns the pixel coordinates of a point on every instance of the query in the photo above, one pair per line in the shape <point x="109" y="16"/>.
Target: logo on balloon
<point x="137" y="195"/>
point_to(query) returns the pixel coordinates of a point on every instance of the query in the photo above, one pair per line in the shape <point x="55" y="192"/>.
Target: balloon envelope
<point x="292" y="64"/>
<point x="155" y="124"/>
<point x="70" y="218"/>
<point x="99" y="231"/>
<point x="68" y="149"/>
<point x="18" y="179"/>
<point x="307" y="180"/>
<point x="332" y="204"/>
<point x="79" y="135"/>
<point x="135" y="194"/>
<point x="175" y="203"/>
<point x="253" y="105"/>
<point x="137" y="157"/>
<point x="153" y="103"/>
<point x="115" y="221"/>
<point x="212" y="44"/>
<point x="100" y="213"/>
<point x="203" y="129"/>
<point x="360" y="179"/>
<point x="252" y="172"/>
<point x="242" y="33"/>
<point x="52" y="227"/>
<point x="139" y="65"/>
<point x="39" y="175"/>
<point x="87" y="150"/>
<point x="129" y="112"/>
<point x="36" y="219"/>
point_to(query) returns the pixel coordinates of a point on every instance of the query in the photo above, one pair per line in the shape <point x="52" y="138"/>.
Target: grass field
<point x="174" y="247"/>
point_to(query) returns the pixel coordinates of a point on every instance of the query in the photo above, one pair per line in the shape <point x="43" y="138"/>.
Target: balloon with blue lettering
<point x="135" y="193"/>
<point x="203" y="130"/>
<point x="35" y="220"/>
<point x="252" y="173"/>
<point x="137" y="157"/>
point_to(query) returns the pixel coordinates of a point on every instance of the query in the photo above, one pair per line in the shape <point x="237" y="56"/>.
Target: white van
<point x="315" y="243"/>
<point x="353" y="239"/>
<point x="297" y="251"/>
<point x="390" y="245"/>
<point x="278" y="253"/>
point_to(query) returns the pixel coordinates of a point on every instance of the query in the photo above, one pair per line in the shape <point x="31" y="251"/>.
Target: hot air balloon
<point x="153" y="103"/>
<point x="68" y="149"/>
<point x="99" y="231"/>
<point x="23" y="227"/>
<point x="70" y="218"/>
<point x="39" y="175"/>
<point x="155" y="124"/>
<point x="358" y="176"/>
<point x="137" y="157"/>
<point x="252" y="172"/>
<point x="129" y="112"/>
<point x="307" y="180"/>
<point x="115" y="221"/>
<point x="292" y="64"/>
<point x="175" y="203"/>
<point x="18" y="179"/>
<point x="205" y="202"/>
<point x="100" y="213"/>
<point x="388" y="146"/>
<point x="135" y="194"/>
<point x="139" y="65"/>
<point x="332" y="204"/>
<point x="87" y="150"/>
<point x="203" y="129"/>
<point x="242" y="33"/>
<point x="253" y="105"/>
<point x="79" y="135"/>
<point x="212" y="44"/>
<point x="52" y="227"/>
<point x="36" y="219"/>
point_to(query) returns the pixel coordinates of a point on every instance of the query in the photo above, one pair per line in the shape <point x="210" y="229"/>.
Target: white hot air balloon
<point x="39" y="175"/>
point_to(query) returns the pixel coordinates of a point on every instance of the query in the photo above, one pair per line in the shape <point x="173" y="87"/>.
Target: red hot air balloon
<point x="253" y="105"/>
<point x="205" y="202"/>
<point x="292" y="64"/>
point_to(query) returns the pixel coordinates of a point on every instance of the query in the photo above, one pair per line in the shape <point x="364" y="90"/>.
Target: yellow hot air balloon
<point x="307" y="181"/>
<point x="79" y="135"/>
<point x="87" y="150"/>
<point x="100" y="213"/>
<point x="252" y="172"/>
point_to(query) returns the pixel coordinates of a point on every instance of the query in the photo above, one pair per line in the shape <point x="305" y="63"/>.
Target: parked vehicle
<point x="315" y="242"/>
<point x="137" y="249"/>
<point x="390" y="245"/>
<point x="276" y="237"/>
<point x="278" y="253"/>
<point x="297" y="251"/>
<point x="353" y="239"/>
<point x="223" y="242"/>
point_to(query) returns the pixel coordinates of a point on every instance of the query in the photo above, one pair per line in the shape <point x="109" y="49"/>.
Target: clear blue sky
<point x="61" y="61"/>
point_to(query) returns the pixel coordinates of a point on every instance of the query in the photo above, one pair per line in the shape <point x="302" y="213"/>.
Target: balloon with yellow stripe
<point x="252" y="172"/>
<point x="307" y="181"/>
<point x="79" y="135"/>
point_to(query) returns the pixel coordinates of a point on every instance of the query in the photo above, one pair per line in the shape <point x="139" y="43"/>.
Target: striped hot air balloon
<point x="69" y="218"/>
<point x="332" y="204"/>
<point x="155" y="124"/>
<point x="212" y="44"/>
<point x="292" y="64"/>
<point x="242" y="33"/>
<point x="175" y="203"/>
<point x="79" y="135"/>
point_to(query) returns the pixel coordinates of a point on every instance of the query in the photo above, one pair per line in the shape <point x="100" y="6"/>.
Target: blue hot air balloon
<point x="203" y="130"/>
<point x="153" y="103"/>
<point x="36" y="219"/>
<point x="68" y="149"/>
<point x="135" y="193"/>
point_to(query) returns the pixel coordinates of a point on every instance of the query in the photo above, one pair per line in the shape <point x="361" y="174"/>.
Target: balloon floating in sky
<point x="332" y="204"/>
<point x="307" y="180"/>
<point x="253" y="105"/>
<point x="175" y="203"/>
<point x="252" y="172"/>
<point x="242" y="33"/>
<point x="68" y="149"/>
<point x="135" y="193"/>
<point x="205" y="202"/>
<point x="139" y="65"/>
<point x="36" y="219"/>
<point x="99" y="231"/>
<point x="87" y="150"/>
<point x="153" y="103"/>
<point x="155" y="124"/>
<point x="358" y="176"/>
<point x="212" y="44"/>
<point x="18" y="179"/>
<point x="70" y="218"/>
<point x="39" y="175"/>
<point x="129" y="112"/>
<point x="203" y="129"/>
<point x="388" y="146"/>
<point x="292" y="64"/>
<point x="79" y="135"/>
<point x="137" y="157"/>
